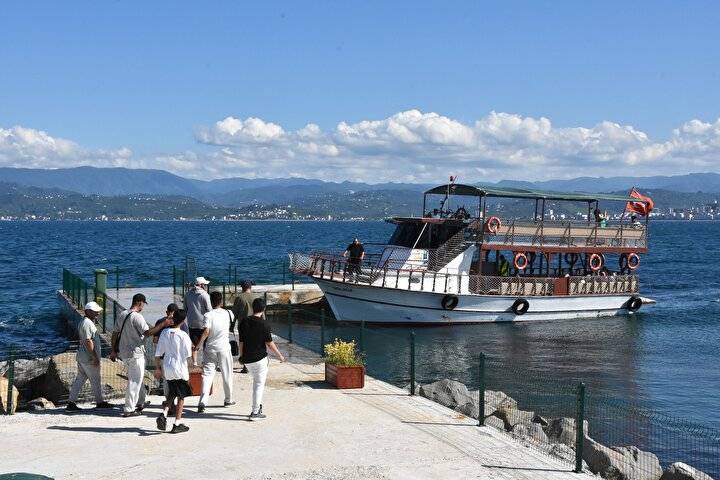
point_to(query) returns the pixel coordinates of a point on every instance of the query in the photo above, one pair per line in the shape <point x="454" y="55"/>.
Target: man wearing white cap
<point x="88" y="359"/>
<point x="197" y="304"/>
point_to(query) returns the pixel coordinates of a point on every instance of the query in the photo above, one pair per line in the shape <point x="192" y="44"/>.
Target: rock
<point x="511" y="416"/>
<point x="446" y="392"/>
<point x="55" y="384"/>
<point x="495" y="422"/>
<point x="39" y="404"/>
<point x="683" y="471"/>
<point x="621" y="463"/>
<point x="531" y="431"/>
<point x="496" y="399"/>
<point x="562" y="430"/>
<point x="26" y="370"/>
<point x="4" y="385"/>
<point x="540" y="420"/>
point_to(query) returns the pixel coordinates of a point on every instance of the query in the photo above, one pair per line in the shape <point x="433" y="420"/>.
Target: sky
<point x="364" y="91"/>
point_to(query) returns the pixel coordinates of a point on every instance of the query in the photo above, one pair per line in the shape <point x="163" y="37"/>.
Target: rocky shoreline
<point x="556" y="436"/>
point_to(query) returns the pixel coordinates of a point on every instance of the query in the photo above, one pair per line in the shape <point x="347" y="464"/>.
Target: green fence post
<point x="412" y="363"/>
<point x="322" y="331"/>
<point x="11" y="379"/>
<point x="481" y="391"/>
<point x="114" y="313"/>
<point x="104" y="297"/>
<point x="85" y="289"/>
<point x="290" y="322"/>
<point x="229" y="273"/>
<point x="362" y="336"/>
<point x="174" y="281"/>
<point x="117" y="279"/>
<point x="223" y="300"/>
<point x="579" y="427"/>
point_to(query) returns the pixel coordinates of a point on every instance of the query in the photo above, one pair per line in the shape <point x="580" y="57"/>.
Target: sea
<point x="665" y="358"/>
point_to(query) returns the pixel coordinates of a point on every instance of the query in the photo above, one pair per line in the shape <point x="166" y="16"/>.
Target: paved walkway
<point x="313" y="431"/>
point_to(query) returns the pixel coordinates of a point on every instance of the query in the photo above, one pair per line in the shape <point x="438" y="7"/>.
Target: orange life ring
<point x="493" y="224"/>
<point x="520" y="261"/>
<point x="633" y="261"/>
<point x="596" y="262"/>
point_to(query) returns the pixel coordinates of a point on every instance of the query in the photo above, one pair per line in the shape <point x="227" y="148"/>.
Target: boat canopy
<point x="486" y="191"/>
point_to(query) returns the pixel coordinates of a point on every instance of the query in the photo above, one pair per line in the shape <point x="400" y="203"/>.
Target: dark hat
<point x="247" y="283"/>
<point x="139" y="297"/>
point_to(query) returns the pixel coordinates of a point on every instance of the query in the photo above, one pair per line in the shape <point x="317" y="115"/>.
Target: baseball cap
<point x="139" y="297"/>
<point x="93" y="306"/>
<point x="201" y="281"/>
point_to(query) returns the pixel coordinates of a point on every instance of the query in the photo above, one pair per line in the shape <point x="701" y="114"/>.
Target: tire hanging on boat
<point x="634" y="304"/>
<point x="520" y="306"/>
<point x="449" y="302"/>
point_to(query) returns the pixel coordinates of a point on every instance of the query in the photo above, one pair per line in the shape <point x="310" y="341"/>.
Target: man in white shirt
<point x="216" y="329"/>
<point x="172" y="354"/>
<point x="88" y="359"/>
<point x="128" y="344"/>
<point x="197" y="304"/>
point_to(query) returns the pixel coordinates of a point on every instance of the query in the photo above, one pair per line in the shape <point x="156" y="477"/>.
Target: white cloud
<point x="29" y="148"/>
<point x="409" y="146"/>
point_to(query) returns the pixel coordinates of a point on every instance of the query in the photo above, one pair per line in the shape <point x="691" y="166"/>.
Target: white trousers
<point x="87" y="371"/>
<point x="211" y="360"/>
<point x="135" y="393"/>
<point x="258" y="370"/>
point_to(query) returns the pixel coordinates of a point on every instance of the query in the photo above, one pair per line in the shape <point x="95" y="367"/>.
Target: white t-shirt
<point x="218" y="322"/>
<point x="175" y="348"/>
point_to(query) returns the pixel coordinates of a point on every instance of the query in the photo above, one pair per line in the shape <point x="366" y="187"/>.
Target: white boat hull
<point x="353" y="302"/>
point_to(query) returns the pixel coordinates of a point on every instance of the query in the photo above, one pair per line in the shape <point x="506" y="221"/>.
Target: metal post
<point x="362" y="336"/>
<point x="481" y="391"/>
<point x="174" y="281"/>
<point x="223" y="300"/>
<point x="229" y="273"/>
<point x="85" y="289"/>
<point x="412" y="363"/>
<point x="11" y="379"/>
<point x="579" y="427"/>
<point x="114" y="313"/>
<point x="104" y="297"/>
<point x="117" y="279"/>
<point x="290" y="322"/>
<point x="322" y="331"/>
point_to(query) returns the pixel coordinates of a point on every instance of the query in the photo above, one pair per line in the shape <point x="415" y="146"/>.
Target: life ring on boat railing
<point x="633" y="261"/>
<point x="596" y="262"/>
<point x="521" y="261"/>
<point x="520" y="306"/>
<point x="449" y="302"/>
<point x="493" y="224"/>
<point x="634" y="304"/>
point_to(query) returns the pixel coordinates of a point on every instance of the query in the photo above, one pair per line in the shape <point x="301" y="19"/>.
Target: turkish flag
<point x="643" y="207"/>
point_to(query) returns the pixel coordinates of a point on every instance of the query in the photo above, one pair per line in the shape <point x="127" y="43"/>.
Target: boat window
<point x="434" y="235"/>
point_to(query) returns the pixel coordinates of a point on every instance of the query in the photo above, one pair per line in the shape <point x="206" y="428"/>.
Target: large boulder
<point x="683" y="471"/>
<point x="512" y="416"/>
<point x="446" y="392"/>
<point x="621" y="463"/>
<point x="14" y="396"/>
<point x="495" y="422"/>
<point x="530" y="431"/>
<point x="39" y="404"/>
<point x="25" y="371"/>
<point x="562" y="430"/>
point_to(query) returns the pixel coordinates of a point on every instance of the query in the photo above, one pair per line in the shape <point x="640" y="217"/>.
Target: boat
<point x="453" y="266"/>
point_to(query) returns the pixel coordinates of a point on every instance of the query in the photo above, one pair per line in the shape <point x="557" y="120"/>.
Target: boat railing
<point x="522" y="233"/>
<point x="338" y="269"/>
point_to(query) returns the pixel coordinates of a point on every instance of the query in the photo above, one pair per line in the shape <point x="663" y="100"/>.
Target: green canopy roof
<point x="485" y="191"/>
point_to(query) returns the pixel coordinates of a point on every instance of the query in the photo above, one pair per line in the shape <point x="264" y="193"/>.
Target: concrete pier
<point x="312" y="431"/>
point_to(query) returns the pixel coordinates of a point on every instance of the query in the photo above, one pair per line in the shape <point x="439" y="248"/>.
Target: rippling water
<point x="667" y="357"/>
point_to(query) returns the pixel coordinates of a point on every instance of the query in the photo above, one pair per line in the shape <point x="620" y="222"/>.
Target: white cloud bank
<point x="408" y="146"/>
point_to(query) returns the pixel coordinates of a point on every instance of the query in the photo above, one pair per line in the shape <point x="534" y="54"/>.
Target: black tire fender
<point x="520" y="306"/>
<point x="634" y="304"/>
<point x="449" y="302"/>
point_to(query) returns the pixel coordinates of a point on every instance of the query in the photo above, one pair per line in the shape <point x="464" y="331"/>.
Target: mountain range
<point x="137" y="193"/>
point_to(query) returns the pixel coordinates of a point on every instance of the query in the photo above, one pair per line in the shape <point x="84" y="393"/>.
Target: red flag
<point x="643" y="207"/>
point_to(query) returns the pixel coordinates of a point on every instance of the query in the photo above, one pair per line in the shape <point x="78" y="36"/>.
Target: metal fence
<point x="79" y="292"/>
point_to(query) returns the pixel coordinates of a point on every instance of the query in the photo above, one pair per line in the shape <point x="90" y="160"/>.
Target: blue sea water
<point x="667" y="357"/>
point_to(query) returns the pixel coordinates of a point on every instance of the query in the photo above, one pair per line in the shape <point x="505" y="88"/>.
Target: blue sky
<point x="147" y="77"/>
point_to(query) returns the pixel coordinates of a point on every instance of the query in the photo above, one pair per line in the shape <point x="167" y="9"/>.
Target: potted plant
<point x="344" y="367"/>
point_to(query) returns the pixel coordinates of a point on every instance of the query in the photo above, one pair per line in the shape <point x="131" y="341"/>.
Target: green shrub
<point x="342" y="354"/>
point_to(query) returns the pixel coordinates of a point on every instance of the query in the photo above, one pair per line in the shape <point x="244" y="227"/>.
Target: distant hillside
<point x="693" y="182"/>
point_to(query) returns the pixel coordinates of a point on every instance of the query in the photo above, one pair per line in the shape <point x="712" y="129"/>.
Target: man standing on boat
<point x="355" y="252"/>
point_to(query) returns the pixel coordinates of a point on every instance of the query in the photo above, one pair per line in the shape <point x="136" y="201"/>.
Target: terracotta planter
<point x="345" y="377"/>
<point x="196" y="381"/>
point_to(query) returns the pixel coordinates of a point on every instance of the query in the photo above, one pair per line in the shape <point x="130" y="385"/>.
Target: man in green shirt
<point x="242" y="308"/>
<point x="88" y="359"/>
